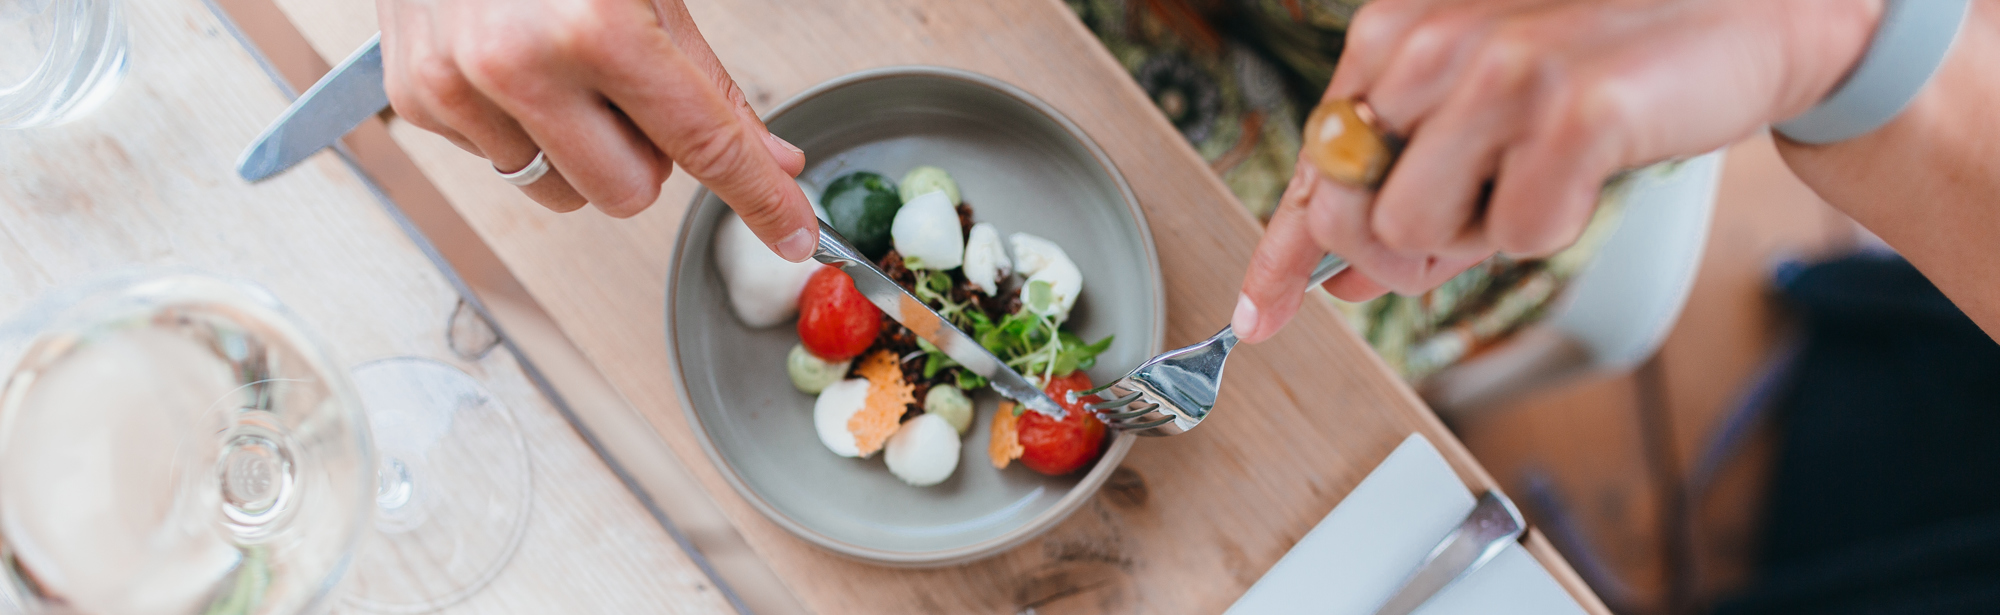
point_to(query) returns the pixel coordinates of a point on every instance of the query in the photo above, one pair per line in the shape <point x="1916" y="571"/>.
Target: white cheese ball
<point x="837" y="403"/>
<point x="1053" y="283"/>
<point x="924" y="450"/>
<point x="926" y="232"/>
<point x="986" y="261"/>
<point x="763" y="287"/>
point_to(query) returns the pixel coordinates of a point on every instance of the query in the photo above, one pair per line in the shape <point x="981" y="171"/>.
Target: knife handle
<point x="1492" y="524"/>
<point x="834" y="249"/>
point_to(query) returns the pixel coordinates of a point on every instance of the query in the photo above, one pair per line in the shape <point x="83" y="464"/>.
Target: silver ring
<point x="529" y="174"/>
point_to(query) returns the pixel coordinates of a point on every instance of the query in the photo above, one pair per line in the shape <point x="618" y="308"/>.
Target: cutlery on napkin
<point x="1364" y="549"/>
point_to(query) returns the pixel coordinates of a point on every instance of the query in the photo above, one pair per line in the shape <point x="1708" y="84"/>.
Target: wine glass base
<point x="454" y="487"/>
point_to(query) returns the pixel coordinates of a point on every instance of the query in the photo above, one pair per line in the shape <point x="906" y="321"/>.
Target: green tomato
<point x="812" y="374"/>
<point x="926" y="179"/>
<point x="950" y="404"/>
<point x="862" y="206"/>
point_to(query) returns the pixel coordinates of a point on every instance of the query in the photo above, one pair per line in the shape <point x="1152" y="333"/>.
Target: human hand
<point x="613" y="92"/>
<point x="1516" y="111"/>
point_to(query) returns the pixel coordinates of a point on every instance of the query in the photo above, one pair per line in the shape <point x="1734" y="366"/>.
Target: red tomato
<point x="836" y="323"/>
<point x="1055" y="447"/>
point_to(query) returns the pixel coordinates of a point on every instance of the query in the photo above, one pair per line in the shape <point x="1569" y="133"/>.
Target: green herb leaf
<point x="933" y="362"/>
<point x="970" y="381"/>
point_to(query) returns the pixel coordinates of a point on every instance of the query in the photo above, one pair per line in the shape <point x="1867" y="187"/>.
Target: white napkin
<point x="1358" y="555"/>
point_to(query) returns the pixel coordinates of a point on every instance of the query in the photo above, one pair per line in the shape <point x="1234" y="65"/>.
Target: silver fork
<point x="1171" y="393"/>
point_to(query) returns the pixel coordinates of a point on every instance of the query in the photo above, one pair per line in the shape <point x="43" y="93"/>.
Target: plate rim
<point x="1121" y="444"/>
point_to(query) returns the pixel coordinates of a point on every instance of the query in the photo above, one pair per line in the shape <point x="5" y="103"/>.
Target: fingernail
<point x="784" y="144"/>
<point x="796" y="247"/>
<point x="1245" y="320"/>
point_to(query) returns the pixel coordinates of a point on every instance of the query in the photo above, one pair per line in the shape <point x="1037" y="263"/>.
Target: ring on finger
<point x="1347" y="142"/>
<point x="528" y="174"/>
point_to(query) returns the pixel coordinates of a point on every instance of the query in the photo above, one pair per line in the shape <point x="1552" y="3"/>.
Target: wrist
<point x="1822" y="43"/>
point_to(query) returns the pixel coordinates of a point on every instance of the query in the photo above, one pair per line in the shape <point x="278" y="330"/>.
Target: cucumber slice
<point x="862" y="206"/>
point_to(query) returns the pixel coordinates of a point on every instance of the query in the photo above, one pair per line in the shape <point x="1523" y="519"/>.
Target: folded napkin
<point x="1361" y="552"/>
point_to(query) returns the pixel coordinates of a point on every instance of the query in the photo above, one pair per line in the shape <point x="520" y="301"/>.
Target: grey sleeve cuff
<point x="1909" y="44"/>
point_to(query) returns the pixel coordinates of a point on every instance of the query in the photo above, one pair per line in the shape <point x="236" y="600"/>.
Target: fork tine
<point x="1115" y="403"/>
<point x="1128" y="414"/>
<point x="1074" y="395"/>
<point x="1141" y="426"/>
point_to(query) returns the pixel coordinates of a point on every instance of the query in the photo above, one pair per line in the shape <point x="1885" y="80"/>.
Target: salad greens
<point x="924" y="223"/>
<point x="1031" y="343"/>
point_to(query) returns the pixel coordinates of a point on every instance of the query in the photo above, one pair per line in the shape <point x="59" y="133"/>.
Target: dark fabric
<point x="1886" y="497"/>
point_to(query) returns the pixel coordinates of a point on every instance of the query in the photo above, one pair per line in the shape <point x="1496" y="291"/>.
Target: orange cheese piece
<point x="1006" y="443"/>
<point x="882" y="411"/>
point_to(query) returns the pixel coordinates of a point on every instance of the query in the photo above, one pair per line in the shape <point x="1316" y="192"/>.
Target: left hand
<point x="1546" y="99"/>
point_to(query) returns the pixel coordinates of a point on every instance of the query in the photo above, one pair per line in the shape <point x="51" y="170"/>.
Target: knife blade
<point x="1493" y="523"/>
<point x="905" y="308"/>
<point x="341" y="100"/>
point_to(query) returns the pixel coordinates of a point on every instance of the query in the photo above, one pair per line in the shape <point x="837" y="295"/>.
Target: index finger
<point x="681" y="28"/>
<point x="672" y="101"/>
<point x="1275" y="284"/>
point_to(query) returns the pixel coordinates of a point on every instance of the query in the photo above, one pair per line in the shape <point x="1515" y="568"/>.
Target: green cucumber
<point x="862" y="206"/>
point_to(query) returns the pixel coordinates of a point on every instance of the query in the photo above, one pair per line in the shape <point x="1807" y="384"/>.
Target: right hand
<point x="1544" y="99"/>
<point x="613" y="92"/>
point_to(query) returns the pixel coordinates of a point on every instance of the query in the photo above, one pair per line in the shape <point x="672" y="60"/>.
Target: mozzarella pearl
<point x="1054" y="282"/>
<point x="926" y="232"/>
<point x="924" y="451"/>
<point x="763" y="287"/>
<point x="986" y="261"/>
<point x="837" y="403"/>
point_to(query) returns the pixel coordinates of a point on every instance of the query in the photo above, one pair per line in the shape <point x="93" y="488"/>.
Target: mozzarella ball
<point x="926" y="232"/>
<point x="924" y="451"/>
<point x="837" y="403"/>
<point x="1053" y="283"/>
<point x="986" y="261"/>
<point x="763" y="287"/>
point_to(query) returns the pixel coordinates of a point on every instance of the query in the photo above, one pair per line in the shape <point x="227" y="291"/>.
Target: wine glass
<point x="58" y="58"/>
<point x="180" y="443"/>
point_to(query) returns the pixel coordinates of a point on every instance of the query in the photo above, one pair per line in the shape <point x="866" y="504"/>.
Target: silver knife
<point x="1493" y="523"/>
<point x="899" y="304"/>
<point x="341" y="100"/>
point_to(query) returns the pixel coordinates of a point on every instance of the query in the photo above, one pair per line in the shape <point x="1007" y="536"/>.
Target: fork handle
<point x="1328" y="266"/>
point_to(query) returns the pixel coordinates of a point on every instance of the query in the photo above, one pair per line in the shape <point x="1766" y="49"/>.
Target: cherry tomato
<point x="836" y="323"/>
<point x="1058" y="447"/>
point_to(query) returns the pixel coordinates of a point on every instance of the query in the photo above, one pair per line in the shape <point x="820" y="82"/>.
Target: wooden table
<point x="1186" y="524"/>
<point x="149" y="180"/>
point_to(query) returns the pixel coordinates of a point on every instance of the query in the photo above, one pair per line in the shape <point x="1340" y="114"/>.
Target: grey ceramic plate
<point x="1022" y="167"/>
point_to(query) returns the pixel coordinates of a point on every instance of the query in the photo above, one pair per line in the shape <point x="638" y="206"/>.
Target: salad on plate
<point x="881" y="389"/>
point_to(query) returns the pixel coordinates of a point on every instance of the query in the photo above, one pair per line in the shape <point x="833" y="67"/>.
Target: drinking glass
<point x="58" y="58"/>
<point x="179" y="443"/>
